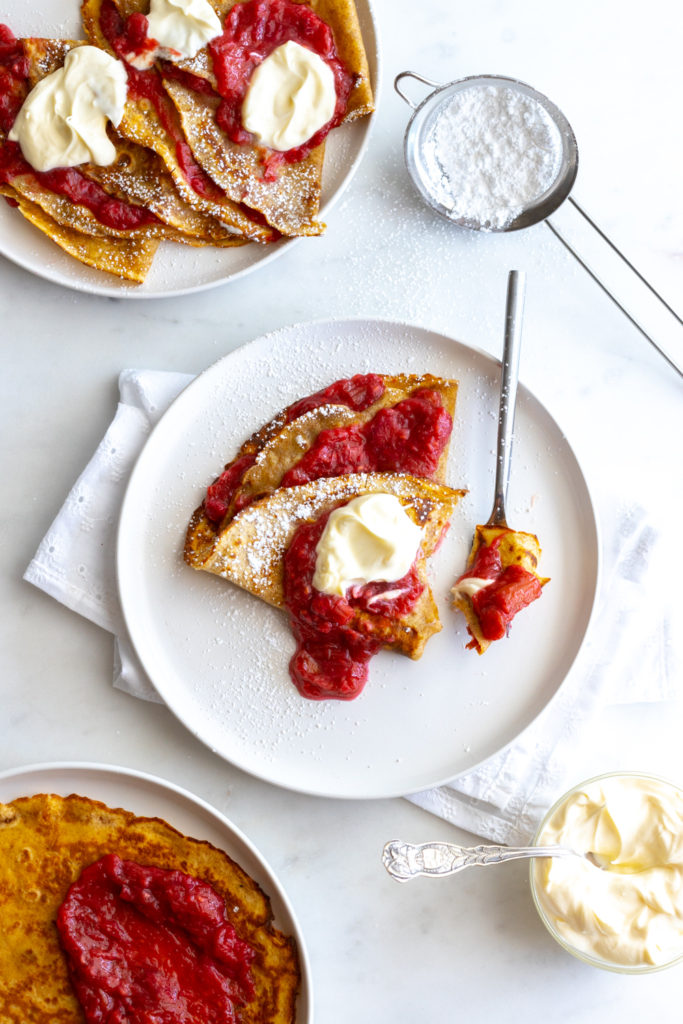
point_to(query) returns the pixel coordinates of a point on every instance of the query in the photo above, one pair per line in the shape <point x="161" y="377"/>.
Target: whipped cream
<point x="470" y="585"/>
<point x="181" y="27"/>
<point x="63" y="120"/>
<point x="370" y="538"/>
<point x="291" y="96"/>
<point x="628" y="911"/>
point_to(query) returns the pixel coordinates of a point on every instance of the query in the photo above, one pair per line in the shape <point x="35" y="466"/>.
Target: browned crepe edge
<point x="127" y="258"/>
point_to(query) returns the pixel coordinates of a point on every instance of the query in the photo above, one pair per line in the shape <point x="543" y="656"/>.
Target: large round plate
<point x="177" y="269"/>
<point x="148" y="796"/>
<point x="219" y="656"/>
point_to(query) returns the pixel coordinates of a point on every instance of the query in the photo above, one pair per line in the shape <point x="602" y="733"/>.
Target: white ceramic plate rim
<point x="86" y="774"/>
<point x="130" y="512"/>
<point x="66" y="271"/>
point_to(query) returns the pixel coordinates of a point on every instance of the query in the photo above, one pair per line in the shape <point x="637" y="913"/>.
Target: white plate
<point x="219" y="656"/>
<point x="177" y="269"/>
<point x="148" y="796"/>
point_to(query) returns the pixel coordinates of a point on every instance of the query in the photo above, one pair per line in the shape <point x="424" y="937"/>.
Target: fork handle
<point x="514" y="312"/>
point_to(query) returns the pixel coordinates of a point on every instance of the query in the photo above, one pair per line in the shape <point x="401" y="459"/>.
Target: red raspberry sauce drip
<point x="64" y="181"/>
<point x="358" y="393"/>
<point x="513" y="588"/>
<point x="130" y="37"/>
<point x="252" y="31"/>
<point x="331" y="660"/>
<point x="408" y="437"/>
<point x="145" y="943"/>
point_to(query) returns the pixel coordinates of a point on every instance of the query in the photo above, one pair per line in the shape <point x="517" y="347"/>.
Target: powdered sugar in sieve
<point x="490" y="152"/>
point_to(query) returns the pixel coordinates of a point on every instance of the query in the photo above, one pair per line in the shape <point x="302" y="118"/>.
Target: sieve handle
<point x="419" y="78"/>
<point x="658" y="309"/>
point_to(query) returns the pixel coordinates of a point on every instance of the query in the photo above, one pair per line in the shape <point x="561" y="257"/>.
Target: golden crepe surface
<point x="516" y="548"/>
<point x="45" y="843"/>
<point x="130" y="259"/>
<point x="290" y="203"/>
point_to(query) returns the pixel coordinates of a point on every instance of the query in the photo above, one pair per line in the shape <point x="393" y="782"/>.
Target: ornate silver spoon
<point x="404" y="861"/>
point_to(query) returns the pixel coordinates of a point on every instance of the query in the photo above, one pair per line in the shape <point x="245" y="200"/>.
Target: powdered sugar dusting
<point x="252" y="546"/>
<point x="312" y="418"/>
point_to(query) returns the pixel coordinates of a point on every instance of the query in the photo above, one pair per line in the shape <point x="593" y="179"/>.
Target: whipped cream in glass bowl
<point x="621" y="909"/>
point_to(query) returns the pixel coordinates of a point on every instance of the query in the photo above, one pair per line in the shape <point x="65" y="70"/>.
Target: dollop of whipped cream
<point x="370" y="538"/>
<point x="630" y="909"/>
<point x="470" y="585"/>
<point x="291" y="96"/>
<point x="181" y="27"/>
<point x="63" y="120"/>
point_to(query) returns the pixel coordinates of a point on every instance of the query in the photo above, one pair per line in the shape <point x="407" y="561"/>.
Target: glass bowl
<point x="539" y="867"/>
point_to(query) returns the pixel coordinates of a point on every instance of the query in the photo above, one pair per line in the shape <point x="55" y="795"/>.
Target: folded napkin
<point x="503" y="799"/>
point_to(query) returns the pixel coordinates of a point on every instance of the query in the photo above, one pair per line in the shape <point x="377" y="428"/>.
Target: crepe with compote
<point x="330" y="511"/>
<point x="52" y="848"/>
<point x="113" y="144"/>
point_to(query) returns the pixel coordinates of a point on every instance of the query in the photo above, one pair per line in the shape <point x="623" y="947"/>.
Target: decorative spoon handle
<point x="404" y="861"/>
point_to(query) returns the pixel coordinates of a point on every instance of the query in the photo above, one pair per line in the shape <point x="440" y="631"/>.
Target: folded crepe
<point x="156" y="125"/>
<point x="249" y="551"/>
<point x="130" y="259"/>
<point x="136" y="181"/>
<point x="263" y="460"/>
<point x="288" y="201"/>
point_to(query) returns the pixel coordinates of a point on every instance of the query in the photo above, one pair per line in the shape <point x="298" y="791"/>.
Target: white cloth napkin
<point x="501" y="800"/>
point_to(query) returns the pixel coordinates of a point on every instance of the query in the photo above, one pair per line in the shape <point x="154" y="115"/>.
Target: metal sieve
<point x="421" y="124"/>
<point x="424" y="120"/>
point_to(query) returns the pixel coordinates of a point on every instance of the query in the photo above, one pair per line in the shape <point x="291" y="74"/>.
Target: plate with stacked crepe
<point x="217" y="644"/>
<point x="180" y="207"/>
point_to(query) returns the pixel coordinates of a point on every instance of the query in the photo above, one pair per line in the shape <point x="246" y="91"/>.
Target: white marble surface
<point x="471" y="946"/>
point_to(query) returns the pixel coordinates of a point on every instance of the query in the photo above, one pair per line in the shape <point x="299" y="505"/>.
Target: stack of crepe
<point x="240" y="204"/>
